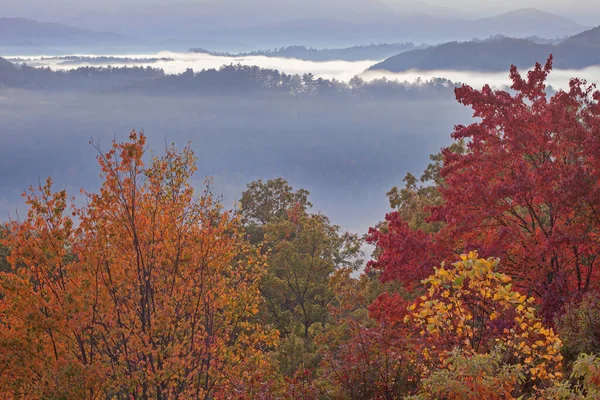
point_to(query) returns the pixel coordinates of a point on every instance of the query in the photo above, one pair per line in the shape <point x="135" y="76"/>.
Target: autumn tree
<point x="367" y="355"/>
<point x="472" y="306"/>
<point x="303" y="251"/>
<point x="472" y="316"/>
<point x="526" y="190"/>
<point x="149" y="294"/>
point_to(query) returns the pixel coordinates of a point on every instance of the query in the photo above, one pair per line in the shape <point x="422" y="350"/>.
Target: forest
<point x="228" y="79"/>
<point x="484" y="282"/>
<point x="372" y="51"/>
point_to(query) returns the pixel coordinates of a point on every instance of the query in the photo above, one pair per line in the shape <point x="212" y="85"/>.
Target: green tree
<point x="418" y="194"/>
<point x="579" y="327"/>
<point x="303" y="251"/>
<point x="264" y="202"/>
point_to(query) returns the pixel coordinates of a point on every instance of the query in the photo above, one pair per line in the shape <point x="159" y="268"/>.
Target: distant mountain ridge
<point x="418" y="28"/>
<point x="318" y="23"/>
<point x="271" y="23"/>
<point x="519" y="21"/>
<point x="23" y="31"/>
<point x="355" y="53"/>
<point x="587" y="38"/>
<point x="576" y="52"/>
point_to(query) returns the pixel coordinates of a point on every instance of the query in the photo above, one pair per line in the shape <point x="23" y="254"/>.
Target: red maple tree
<point x="527" y="190"/>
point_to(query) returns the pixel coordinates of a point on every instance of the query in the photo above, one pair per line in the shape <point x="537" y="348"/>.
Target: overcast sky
<point x="486" y="5"/>
<point x="466" y="5"/>
<point x="584" y="11"/>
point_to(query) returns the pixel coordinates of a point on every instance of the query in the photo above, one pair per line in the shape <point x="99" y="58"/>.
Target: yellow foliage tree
<point x="474" y="308"/>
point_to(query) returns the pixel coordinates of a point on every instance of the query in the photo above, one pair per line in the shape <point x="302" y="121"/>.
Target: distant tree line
<point x="374" y="51"/>
<point x="234" y="79"/>
<point x="100" y="60"/>
<point x="228" y="79"/>
<point x="82" y="78"/>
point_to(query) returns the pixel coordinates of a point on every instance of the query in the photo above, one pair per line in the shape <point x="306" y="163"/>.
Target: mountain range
<point x="330" y="23"/>
<point x="272" y="23"/>
<point x="497" y="54"/>
<point x="25" y="32"/>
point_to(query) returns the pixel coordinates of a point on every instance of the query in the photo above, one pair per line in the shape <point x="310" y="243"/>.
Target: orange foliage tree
<point x="146" y="292"/>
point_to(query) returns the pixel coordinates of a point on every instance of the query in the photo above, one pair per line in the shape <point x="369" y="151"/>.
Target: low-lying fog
<point x="341" y="70"/>
<point x="347" y="151"/>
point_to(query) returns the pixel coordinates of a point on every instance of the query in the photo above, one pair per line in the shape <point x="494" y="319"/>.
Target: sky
<point x="180" y="19"/>
<point x="585" y="12"/>
<point x="572" y="8"/>
<point x="498" y="5"/>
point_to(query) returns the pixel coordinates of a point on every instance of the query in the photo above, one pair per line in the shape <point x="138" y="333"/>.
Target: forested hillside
<point x="355" y="53"/>
<point x="497" y="53"/>
<point x="228" y="79"/>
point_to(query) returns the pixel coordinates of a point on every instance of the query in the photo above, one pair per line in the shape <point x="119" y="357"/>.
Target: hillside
<point x="355" y="53"/>
<point x="498" y="54"/>
<point x="587" y="38"/>
<point x="22" y="31"/>
<point x="490" y="55"/>
<point x="8" y="73"/>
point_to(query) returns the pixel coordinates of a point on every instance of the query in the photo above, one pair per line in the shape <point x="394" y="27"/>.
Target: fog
<point x="558" y="79"/>
<point x="347" y="151"/>
<point x="340" y="70"/>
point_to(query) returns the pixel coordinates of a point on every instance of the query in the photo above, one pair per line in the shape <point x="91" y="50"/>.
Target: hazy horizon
<point x="339" y="70"/>
<point x="585" y="12"/>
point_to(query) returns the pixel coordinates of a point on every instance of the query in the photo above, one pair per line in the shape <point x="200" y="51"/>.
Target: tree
<point x="367" y="355"/>
<point x="262" y="203"/>
<point x="303" y="252"/>
<point x="479" y="337"/>
<point x="473" y="307"/>
<point x="150" y="295"/>
<point x="415" y="200"/>
<point x="526" y="190"/>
